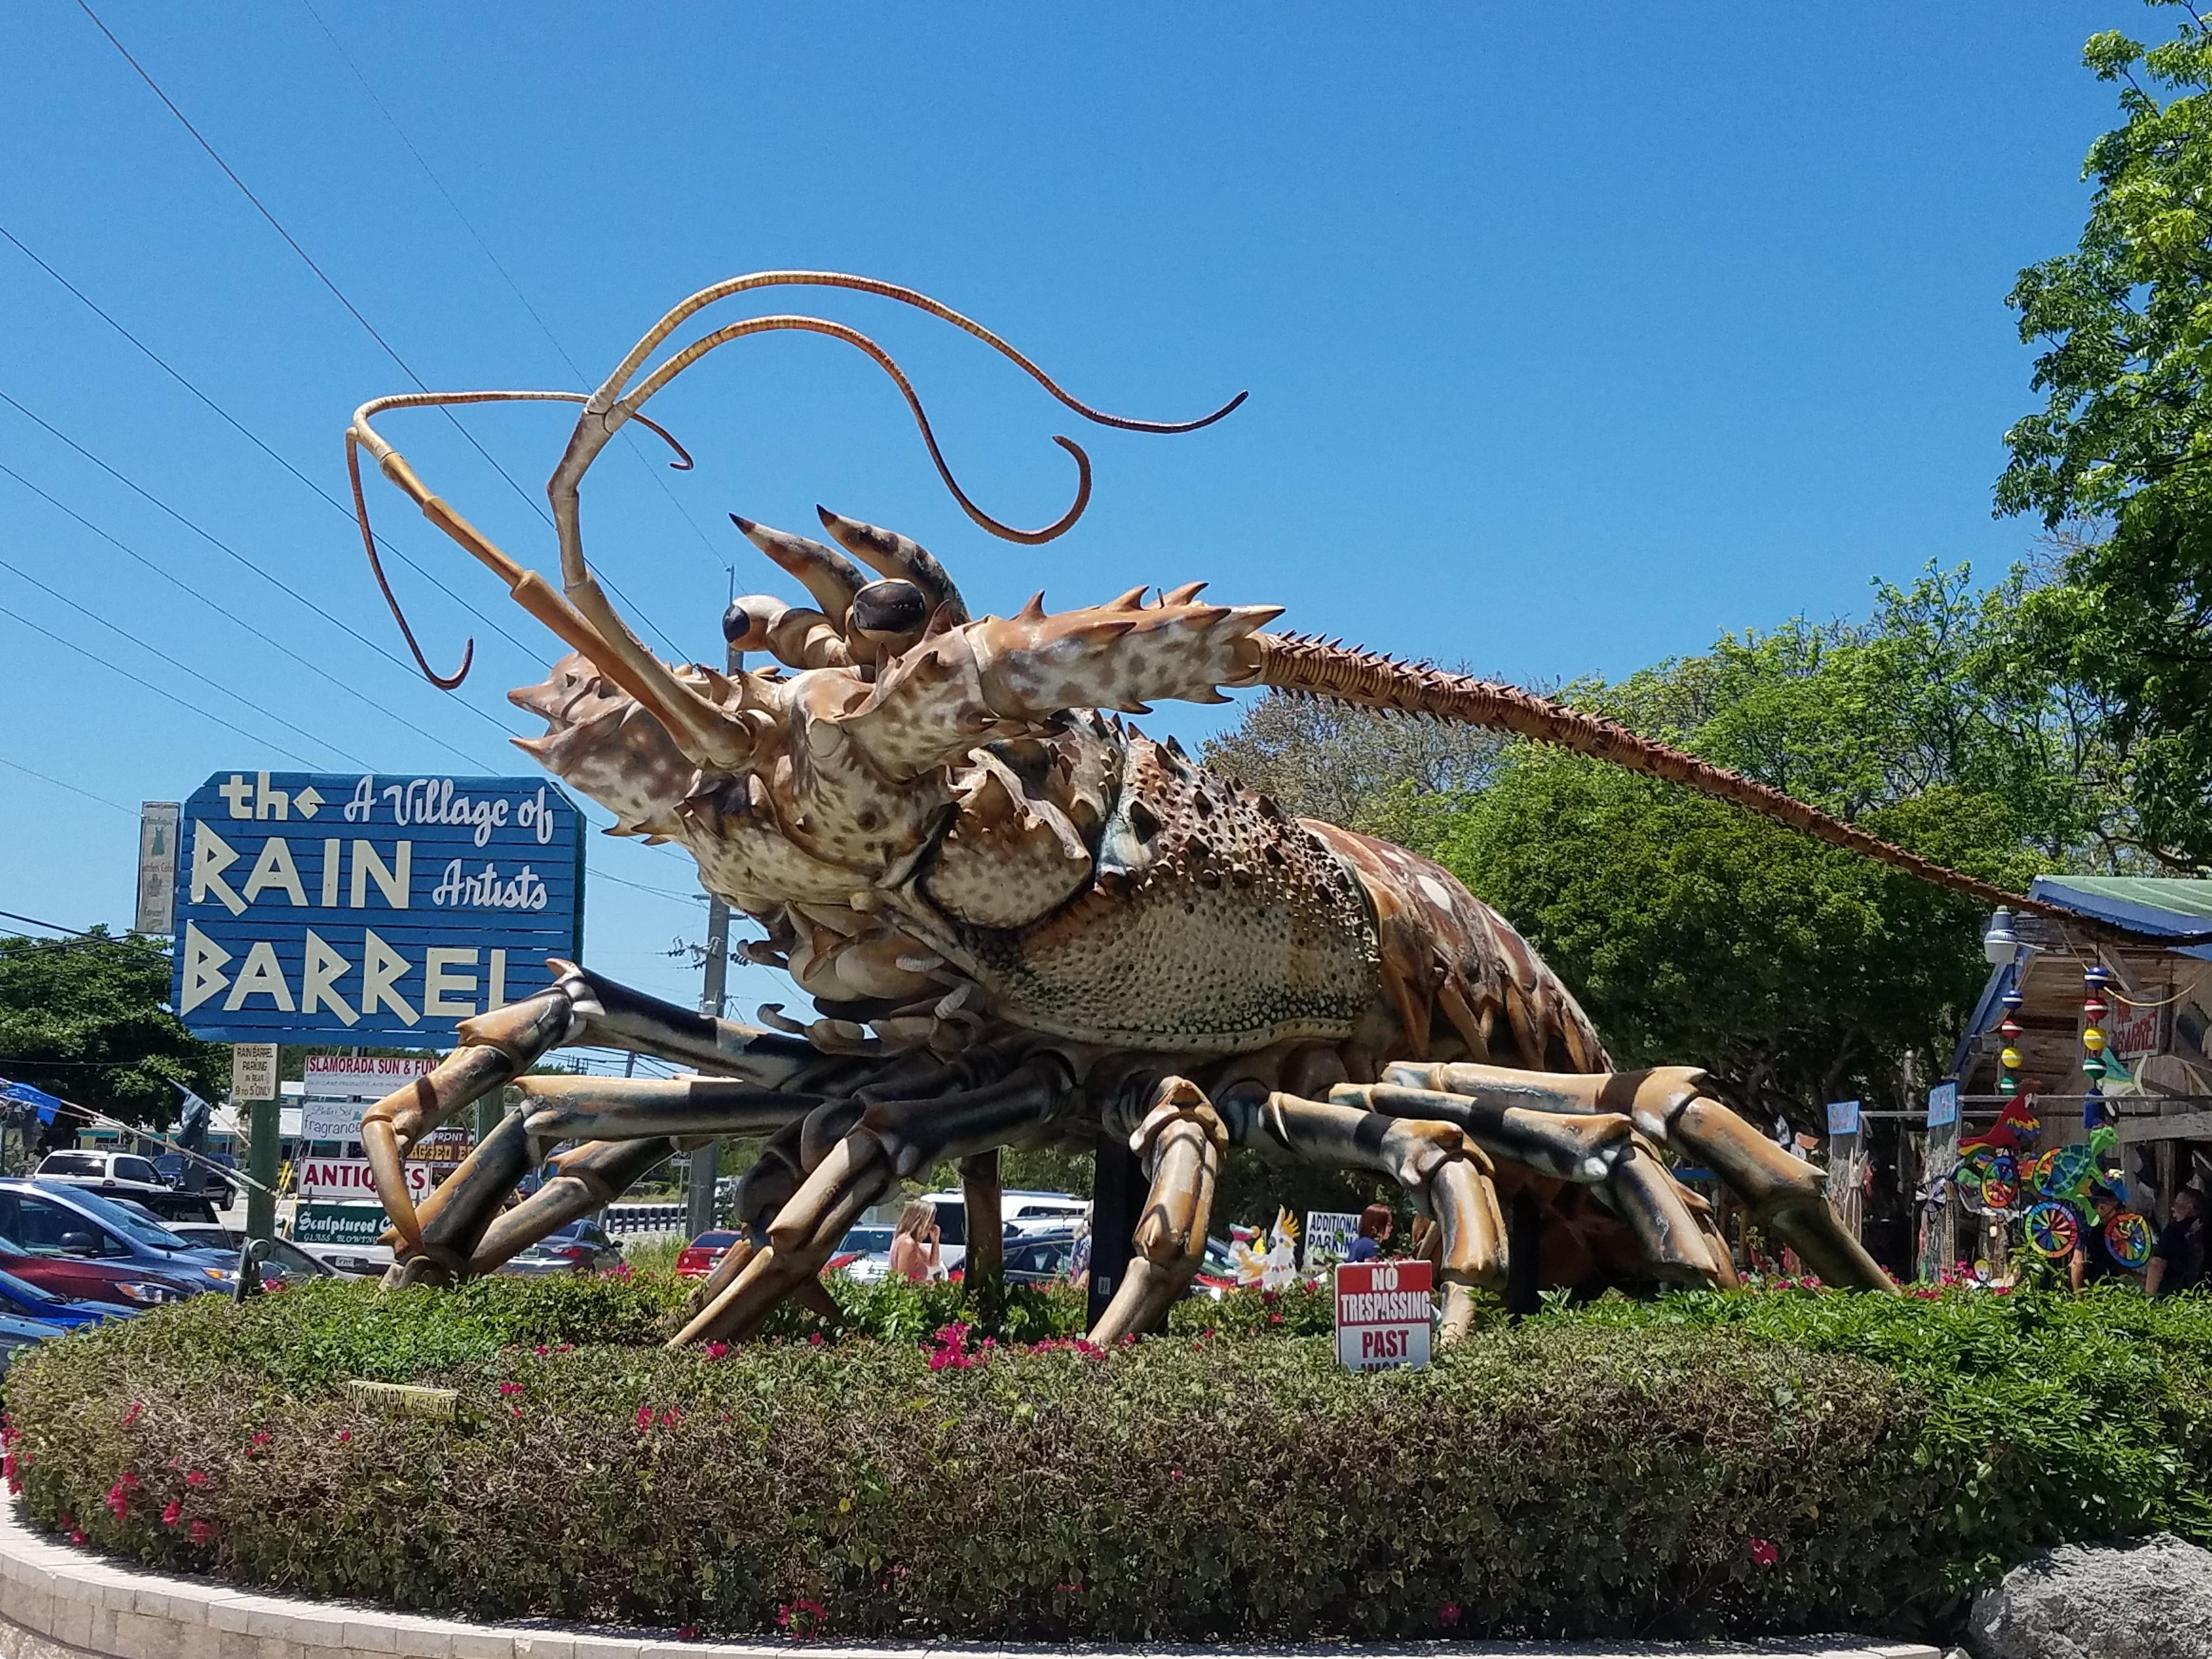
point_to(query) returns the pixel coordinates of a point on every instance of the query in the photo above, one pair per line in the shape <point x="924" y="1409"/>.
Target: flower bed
<point x="1744" y="1463"/>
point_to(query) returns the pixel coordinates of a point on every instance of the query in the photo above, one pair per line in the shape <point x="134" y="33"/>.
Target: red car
<point x="82" y="1281"/>
<point x="697" y="1259"/>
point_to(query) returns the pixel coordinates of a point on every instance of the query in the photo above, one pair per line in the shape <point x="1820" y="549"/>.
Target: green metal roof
<point x="2180" y="895"/>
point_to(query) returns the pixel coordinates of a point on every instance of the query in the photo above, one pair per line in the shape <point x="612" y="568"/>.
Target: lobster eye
<point x="891" y="606"/>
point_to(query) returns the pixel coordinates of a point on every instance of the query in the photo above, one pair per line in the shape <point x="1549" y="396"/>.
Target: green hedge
<point x="1699" y="1465"/>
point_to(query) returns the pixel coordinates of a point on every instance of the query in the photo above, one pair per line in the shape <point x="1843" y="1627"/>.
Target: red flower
<point x="644" y="1419"/>
<point x="138" y="1410"/>
<point x="1174" y="1475"/>
<point x="801" y="1617"/>
<point x="201" y="1532"/>
<point x="718" y="1351"/>
<point x="541" y="1350"/>
<point x="814" y="1339"/>
<point x="1448" y="1614"/>
<point x="1763" y="1552"/>
<point x="344" y="1434"/>
<point x="510" y="1388"/>
<point x="514" y="1411"/>
<point x="119" y="1495"/>
<point x="172" y="1512"/>
<point x="687" y="1632"/>
<point x="77" y="1537"/>
<point x="671" y="1418"/>
<point x="195" y="1478"/>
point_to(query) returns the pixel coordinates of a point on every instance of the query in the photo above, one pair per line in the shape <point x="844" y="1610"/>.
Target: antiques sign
<point x="361" y="910"/>
<point x="1382" y="1314"/>
<point x="347" y="1178"/>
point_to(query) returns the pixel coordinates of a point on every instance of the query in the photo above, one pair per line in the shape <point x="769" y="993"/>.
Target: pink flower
<point x="510" y="1388"/>
<point x="119" y="1495"/>
<point x="1174" y="1475"/>
<point x="172" y="1512"/>
<point x="671" y="1418"/>
<point x="77" y="1537"/>
<point x="1448" y="1614"/>
<point x="1072" y="1587"/>
<point x="514" y="1411"/>
<point x="343" y="1436"/>
<point x="644" y="1419"/>
<point x="1763" y="1552"/>
<point x="138" y="1410"/>
<point x="814" y="1339"/>
<point x="195" y="1478"/>
<point x="262" y="1436"/>
<point x="718" y="1351"/>
<point x="687" y="1632"/>
<point x="801" y="1617"/>
<point x="201" y="1532"/>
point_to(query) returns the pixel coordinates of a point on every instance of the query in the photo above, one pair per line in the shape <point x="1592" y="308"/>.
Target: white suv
<point x="1021" y="1213"/>
<point x="116" y="1175"/>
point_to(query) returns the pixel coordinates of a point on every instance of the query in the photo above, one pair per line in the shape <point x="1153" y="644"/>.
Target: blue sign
<point x="343" y="909"/>
<point x="1843" y="1117"/>
<point x="1942" y="1105"/>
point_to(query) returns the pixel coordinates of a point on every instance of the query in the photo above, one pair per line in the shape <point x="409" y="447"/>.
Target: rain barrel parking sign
<point x="381" y="911"/>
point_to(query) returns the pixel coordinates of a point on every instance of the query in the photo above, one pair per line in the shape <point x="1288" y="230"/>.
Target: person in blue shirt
<point x="1374" y="1234"/>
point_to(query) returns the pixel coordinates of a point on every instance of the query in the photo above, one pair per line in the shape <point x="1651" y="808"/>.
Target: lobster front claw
<point x="495" y="1048"/>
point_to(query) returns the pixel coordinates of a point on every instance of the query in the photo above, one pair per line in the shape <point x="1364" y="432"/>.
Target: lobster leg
<point x="1181" y="1143"/>
<point x="891" y="1139"/>
<point x="1670" y="1106"/>
<point x="497" y="1048"/>
<point x="634" y="1125"/>
<point x="1601" y="1150"/>
<point x="1443" y="1170"/>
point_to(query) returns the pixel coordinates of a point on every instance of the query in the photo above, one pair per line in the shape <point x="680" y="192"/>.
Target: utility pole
<point x="700" y="1213"/>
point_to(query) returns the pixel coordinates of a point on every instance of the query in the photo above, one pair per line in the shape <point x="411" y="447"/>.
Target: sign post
<point x="253" y="1086"/>
<point x="1383" y="1314"/>
<point x="1939" y="1243"/>
<point x="157" y="868"/>
<point x="1846" y="1165"/>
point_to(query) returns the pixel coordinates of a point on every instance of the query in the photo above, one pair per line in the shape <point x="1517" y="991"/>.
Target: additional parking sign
<point x="1382" y="1314"/>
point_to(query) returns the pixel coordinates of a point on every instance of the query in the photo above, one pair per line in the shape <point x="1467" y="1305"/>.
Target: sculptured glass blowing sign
<point x="346" y="909"/>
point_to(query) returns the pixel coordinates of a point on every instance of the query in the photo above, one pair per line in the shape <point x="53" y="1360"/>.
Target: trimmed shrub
<point x="1698" y="1465"/>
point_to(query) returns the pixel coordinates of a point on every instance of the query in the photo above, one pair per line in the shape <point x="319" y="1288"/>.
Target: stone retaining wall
<point x="58" y="1602"/>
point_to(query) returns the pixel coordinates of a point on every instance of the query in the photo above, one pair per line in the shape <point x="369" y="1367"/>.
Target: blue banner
<point x="381" y="911"/>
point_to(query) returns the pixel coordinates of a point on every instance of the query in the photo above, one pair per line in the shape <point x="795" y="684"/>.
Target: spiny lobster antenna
<point x="1312" y="667"/>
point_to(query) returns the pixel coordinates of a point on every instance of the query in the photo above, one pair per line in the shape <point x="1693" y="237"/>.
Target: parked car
<point x="126" y="1175"/>
<point x="17" y="1334"/>
<point x="581" y="1247"/>
<point x="116" y="1174"/>
<point x="864" y="1255"/>
<point x="215" y="1183"/>
<point x="74" y="1241"/>
<point x="285" y="1260"/>
<point x="1217" y="1270"/>
<point x="21" y="1299"/>
<point x="1039" y="1258"/>
<point x="1020" y="1213"/>
<point x="697" y="1259"/>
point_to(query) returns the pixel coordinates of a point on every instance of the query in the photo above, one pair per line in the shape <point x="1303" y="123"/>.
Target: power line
<point x="196" y="713"/>
<point x="233" y="616"/>
<point x="51" y="926"/>
<point x="224" y="547"/>
<point x="507" y="277"/>
<point x="156" y="651"/>
<point x="30" y="772"/>
<point x="254" y="438"/>
<point x="338" y="294"/>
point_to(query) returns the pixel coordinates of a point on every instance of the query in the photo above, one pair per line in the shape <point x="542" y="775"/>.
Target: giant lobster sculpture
<point x="1023" y="921"/>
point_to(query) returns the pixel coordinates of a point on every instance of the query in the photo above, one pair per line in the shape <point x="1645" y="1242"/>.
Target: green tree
<point x="87" y="1019"/>
<point x="2119" y="455"/>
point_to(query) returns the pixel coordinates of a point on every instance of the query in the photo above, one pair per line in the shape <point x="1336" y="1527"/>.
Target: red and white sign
<point x="327" y="1178"/>
<point x="1382" y="1314"/>
<point x="2134" y="1032"/>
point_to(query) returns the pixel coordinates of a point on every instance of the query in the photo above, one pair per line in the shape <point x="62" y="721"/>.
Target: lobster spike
<point x="890" y="554"/>
<point x="1132" y="600"/>
<point x="1183" y="595"/>
<point x="830" y="577"/>
<point x="1034" y="610"/>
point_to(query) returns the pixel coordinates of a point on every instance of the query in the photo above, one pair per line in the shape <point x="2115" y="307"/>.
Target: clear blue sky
<point x="1573" y="336"/>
